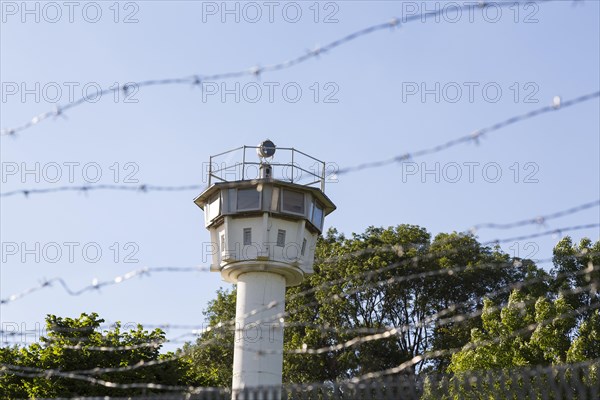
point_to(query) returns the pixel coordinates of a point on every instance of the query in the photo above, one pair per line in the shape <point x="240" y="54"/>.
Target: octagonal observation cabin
<point x="264" y="215"/>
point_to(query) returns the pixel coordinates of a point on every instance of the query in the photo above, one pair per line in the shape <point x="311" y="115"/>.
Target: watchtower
<point x="264" y="218"/>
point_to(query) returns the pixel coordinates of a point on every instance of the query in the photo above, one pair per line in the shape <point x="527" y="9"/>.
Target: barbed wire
<point x="474" y="137"/>
<point x="96" y="284"/>
<point x="143" y="271"/>
<point x="199" y="330"/>
<point x="350" y="343"/>
<point x="557" y="231"/>
<point x="145" y="188"/>
<point x="254" y="71"/>
<point x="31" y="372"/>
<point x="539" y="220"/>
<point x="367" y="274"/>
<point x="85" y="374"/>
<point x="88" y="188"/>
<point x="394" y="330"/>
<point x="140" y="272"/>
<point x="472" y="345"/>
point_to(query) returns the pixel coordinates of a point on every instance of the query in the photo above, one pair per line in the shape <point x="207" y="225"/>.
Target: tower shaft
<point x="258" y="351"/>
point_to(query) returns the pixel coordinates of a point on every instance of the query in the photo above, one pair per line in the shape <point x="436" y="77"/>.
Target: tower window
<point x="247" y="236"/>
<point x="214" y="208"/>
<point x="248" y="199"/>
<point x="303" y="249"/>
<point x="292" y="201"/>
<point x="317" y="216"/>
<point x="281" y="238"/>
<point x="275" y="199"/>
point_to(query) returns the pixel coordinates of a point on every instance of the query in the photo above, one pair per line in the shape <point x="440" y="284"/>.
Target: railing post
<point x="323" y="178"/>
<point x="292" y="165"/>
<point x="209" y="171"/>
<point x="244" y="164"/>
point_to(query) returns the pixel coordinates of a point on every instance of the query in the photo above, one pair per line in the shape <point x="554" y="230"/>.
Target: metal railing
<point x="293" y="168"/>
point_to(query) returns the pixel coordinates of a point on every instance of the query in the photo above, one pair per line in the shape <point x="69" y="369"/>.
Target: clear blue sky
<point x="172" y="130"/>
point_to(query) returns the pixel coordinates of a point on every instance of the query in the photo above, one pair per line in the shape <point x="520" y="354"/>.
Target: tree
<point x="586" y="345"/>
<point x="56" y="352"/>
<point x="534" y="331"/>
<point x="506" y="339"/>
<point x="569" y="308"/>
<point x="576" y="267"/>
<point x="386" y="277"/>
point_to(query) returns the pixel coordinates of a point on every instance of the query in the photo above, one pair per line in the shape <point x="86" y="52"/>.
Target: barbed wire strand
<point x="394" y="330"/>
<point x="473" y="137"/>
<point x="96" y="285"/>
<point x="140" y="272"/>
<point x="557" y="231"/>
<point x="254" y="71"/>
<point x="539" y="220"/>
<point x="105" y="348"/>
<point x="474" y="345"/>
<point x="88" y="188"/>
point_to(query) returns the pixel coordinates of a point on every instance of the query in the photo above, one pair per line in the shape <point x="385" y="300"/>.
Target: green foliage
<point x="385" y="277"/>
<point x="587" y="344"/>
<point x="536" y="331"/>
<point x="342" y="300"/>
<point x="84" y="333"/>
<point x="507" y="340"/>
<point x="571" y="264"/>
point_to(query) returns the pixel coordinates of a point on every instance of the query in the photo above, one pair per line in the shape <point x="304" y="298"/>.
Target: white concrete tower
<point x="264" y="218"/>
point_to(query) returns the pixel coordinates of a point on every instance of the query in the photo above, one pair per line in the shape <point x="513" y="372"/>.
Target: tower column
<point x="258" y="357"/>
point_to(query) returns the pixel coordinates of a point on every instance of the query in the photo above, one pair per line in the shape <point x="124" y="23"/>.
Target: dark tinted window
<point x="317" y="217"/>
<point x="248" y="199"/>
<point x="293" y="201"/>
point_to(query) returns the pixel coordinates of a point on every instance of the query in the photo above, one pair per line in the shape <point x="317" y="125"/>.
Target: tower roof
<point x="204" y="197"/>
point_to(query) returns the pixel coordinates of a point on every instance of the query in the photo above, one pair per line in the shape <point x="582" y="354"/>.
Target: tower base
<point x="258" y="347"/>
